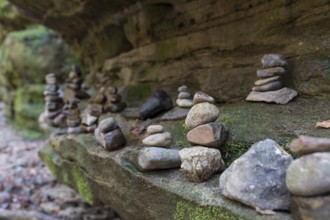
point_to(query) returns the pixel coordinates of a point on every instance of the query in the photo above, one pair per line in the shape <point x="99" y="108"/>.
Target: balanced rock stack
<point x="73" y="119"/>
<point x="269" y="88"/>
<point x="74" y="83"/>
<point x="156" y="155"/>
<point x="90" y="118"/>
<point x="109" y="135"/>
<point x="184" y="98"/>
<point x="308" y="178"/>
<point x="100" y="99"/>
<point x="54" y="103"/>
<point x="115" y="105"/>
<point x="200" y="162"/>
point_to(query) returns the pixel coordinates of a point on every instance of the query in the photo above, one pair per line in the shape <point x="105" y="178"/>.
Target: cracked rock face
<point x="200" y="163"/>
<point x="257" y="178"/>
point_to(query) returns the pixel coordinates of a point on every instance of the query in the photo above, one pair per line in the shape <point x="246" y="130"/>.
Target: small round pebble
<point x="154" y="129"/>
<point x="183" y="89"/>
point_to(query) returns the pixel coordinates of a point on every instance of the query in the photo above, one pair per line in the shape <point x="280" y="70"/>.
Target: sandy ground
<point x="27" y="187"/>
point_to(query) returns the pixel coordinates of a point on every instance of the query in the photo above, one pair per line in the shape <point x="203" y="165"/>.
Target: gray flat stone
<point x="281" y="96"/>
<point x="155" y="158"/>
<point x="271" y="86"/>
<point x="176" y="113"/>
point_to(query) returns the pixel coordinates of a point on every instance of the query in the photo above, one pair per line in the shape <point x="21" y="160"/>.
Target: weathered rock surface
<point x="157" y="103"/>
<point x="108" y="178"/>
<point x="210" y="135"/>
<point x="201" y="113"/>
<point x="177" y="46"/>
<point x="309" y="175"/>
<point x="257" y="178"/>
<point x="156" y="158"/>
<point x="200" y="163"/>
<point x="281" y="96"/>
<point x="307" y="145"/>
<point x="317" y="208"/>
<point x="273" y="60"/>
<point x="158" y="140"/>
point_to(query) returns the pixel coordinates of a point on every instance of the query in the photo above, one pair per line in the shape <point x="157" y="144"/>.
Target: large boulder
<point x="257" y="178"/>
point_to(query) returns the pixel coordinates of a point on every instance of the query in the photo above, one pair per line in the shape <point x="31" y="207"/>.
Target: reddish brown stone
<point x="210" y="135"/>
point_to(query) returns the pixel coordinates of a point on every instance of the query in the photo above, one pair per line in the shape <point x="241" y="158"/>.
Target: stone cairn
<point x="109" y="135"/>
<point x="74" y="83"/>
<point x="201" y="161"/>
<point x="156" y="154"/>
<point x="54" y="103"/>
<point x="115" y="105"/>
<point x="268" y="87"/>
<point x="90" y="118"/>
<point x="308" y="178"/>
<point x="100" y="99"/>
<point x="73" y="116"/>
<point x="184" y="98"/>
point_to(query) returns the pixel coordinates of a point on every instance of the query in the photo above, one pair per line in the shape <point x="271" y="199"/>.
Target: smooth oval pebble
<point x="184" y="103"/>
<point x="158" y="140"/>
<point x="201" y="113"/>
<point x="309" y="175"/>
<point x="184" y="95"/>
<point x="154" y="129"/>
<point x="200" y="97"/>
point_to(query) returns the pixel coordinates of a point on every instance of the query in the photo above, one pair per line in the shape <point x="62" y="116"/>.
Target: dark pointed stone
<point x="157" y="103"/>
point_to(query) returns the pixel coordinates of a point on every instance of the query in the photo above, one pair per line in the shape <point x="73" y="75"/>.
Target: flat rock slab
<point x="176" y="113"/>
<point x="281" y="96"/>
<point x="107" y="178"/>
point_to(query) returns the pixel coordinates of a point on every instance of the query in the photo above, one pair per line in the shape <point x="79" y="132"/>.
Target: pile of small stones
<point x="74" y="83"/>
<point x="54" y="103"/>
<point x="73" y="119"/>
<point x="90" y="118"/>
<point x="202" y="160"/>
<point x="109" y="134"/>
<point x="268" y="87"/>
<point x="308" y="178"/>
<point x="116" y="105"/>
<point x="157" y="154"/>
<point x="184" y="98"/>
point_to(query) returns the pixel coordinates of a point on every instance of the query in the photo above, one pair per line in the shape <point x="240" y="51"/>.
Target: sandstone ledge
<point x="107" y="178"/>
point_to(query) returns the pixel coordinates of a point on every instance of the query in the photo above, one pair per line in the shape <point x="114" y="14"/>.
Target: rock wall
<point x="210" y="45"/>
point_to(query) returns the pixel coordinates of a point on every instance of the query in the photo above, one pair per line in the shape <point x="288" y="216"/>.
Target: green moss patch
<point x="189" y="210"/>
